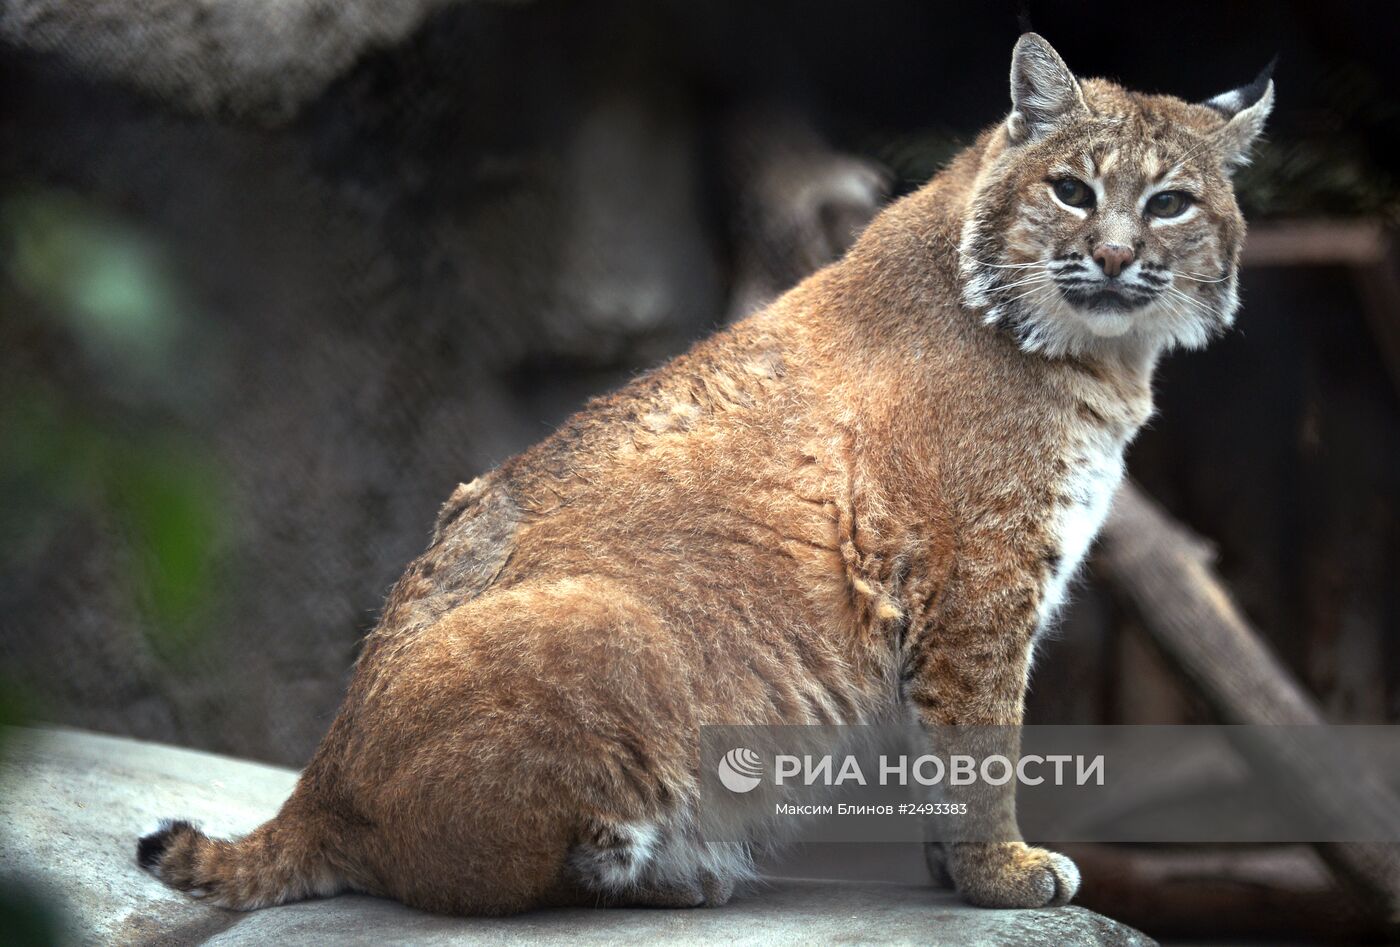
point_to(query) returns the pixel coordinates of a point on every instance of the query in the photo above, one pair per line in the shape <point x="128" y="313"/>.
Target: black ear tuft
<point x="1245" y="111"/>
<point x="1268" y="73"/>
<point x="1023" y="17"/>
<point x="1235" y="101"/>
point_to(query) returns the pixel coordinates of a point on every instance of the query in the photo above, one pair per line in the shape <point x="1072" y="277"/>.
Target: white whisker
<point x="1029" y="292"/>
<point x="1001" y="266"/>
<point x="1037" y="278"/>
<point x="1195" y="305"/>
<point x="1201" y="279"/>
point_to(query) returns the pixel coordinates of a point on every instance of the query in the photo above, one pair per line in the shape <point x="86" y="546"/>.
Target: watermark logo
<point x="900" y="782"/>
<point x="740" y="770"/>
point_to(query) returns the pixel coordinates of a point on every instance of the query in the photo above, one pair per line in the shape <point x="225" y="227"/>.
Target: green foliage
<point x="160" y="490"/>
<point x="106" y="281"/>
<point x="170" y="500"/>
<point x="82" y="274"/>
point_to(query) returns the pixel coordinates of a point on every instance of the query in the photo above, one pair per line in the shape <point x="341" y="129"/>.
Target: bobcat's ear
<point x="1043" y="90"/>
<point x="1246" y="108"/>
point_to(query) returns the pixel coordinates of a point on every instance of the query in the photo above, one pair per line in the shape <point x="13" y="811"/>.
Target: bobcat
<point x="860" y="504"/>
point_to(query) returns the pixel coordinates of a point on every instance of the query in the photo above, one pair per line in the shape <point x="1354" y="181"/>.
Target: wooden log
<point x="1316" y="243"/>
<point x="1362" y="246"/>
<point x="1166" y="571"/>
<point x="1379" y="286"/>
<point x="1273" y="892"/>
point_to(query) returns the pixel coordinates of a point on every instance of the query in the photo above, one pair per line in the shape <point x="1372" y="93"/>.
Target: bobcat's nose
<point x="1112" y="257"/>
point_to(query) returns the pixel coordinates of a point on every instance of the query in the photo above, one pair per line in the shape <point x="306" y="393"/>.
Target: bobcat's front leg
<point x="966" y="682"/>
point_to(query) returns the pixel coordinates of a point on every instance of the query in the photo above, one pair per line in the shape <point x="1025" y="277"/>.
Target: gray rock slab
<point x="75" y="803"/>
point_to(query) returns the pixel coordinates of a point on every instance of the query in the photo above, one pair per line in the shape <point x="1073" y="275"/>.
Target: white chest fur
<point x="1095" y="469"/>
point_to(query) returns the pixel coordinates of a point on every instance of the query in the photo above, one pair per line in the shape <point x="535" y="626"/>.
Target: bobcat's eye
<point x="1073" y="192"/>
<point x="1168" y="204"/>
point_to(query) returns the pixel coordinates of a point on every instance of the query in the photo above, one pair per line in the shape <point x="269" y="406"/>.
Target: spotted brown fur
<point x="862" y="503"/>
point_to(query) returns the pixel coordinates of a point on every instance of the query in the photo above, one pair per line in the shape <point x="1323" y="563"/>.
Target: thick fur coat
<point x="860" y="504"/>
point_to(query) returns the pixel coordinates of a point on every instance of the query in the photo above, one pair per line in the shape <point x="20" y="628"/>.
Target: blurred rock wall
<point x="435" y="261"/>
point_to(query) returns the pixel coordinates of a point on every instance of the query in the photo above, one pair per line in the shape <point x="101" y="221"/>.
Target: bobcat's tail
<point x="277" y="862"/>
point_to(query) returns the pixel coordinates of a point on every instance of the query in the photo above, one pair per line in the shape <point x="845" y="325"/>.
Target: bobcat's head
<point x="1103" y="217"/>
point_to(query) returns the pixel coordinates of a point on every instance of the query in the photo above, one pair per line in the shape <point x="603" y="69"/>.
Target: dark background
<point x="246" y="351"/>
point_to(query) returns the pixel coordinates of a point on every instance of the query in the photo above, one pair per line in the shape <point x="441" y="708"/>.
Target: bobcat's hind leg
<point x="648" y="864"/>
<point x="614" y="867"/>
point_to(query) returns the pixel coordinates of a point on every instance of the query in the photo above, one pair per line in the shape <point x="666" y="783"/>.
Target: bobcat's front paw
<point x="1012" y="875"/>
